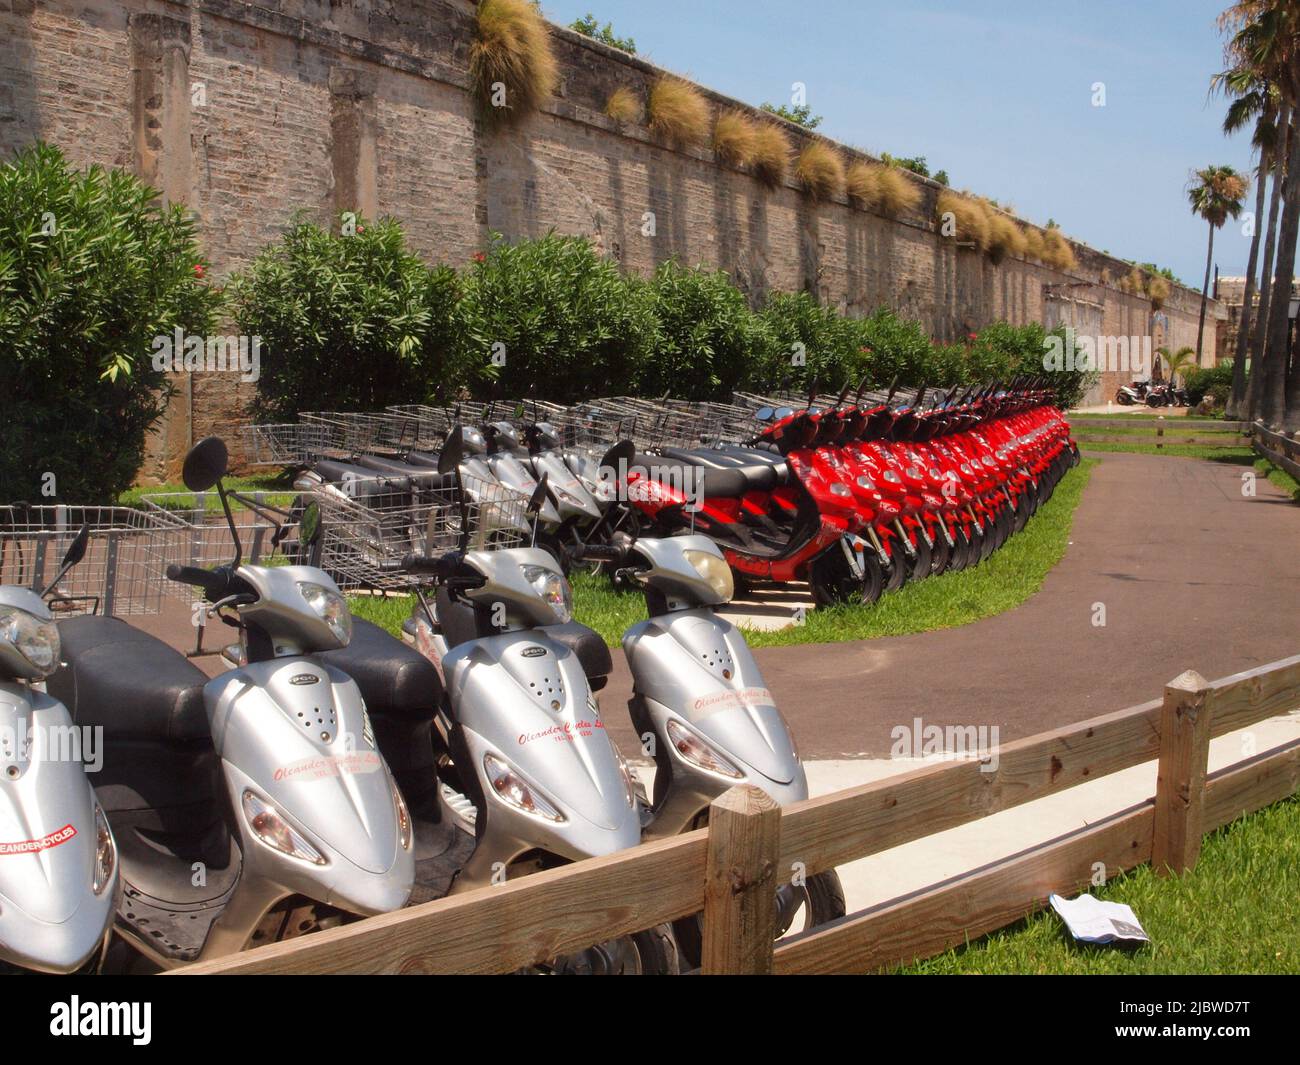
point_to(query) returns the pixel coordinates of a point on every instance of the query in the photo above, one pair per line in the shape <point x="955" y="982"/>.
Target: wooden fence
<point x="1282" y="451"/>
<point x="730" y="870"/>
<point x="1161" y="431"/>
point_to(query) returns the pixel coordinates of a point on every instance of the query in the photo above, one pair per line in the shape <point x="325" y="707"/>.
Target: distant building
<point x="1230" y="292"/>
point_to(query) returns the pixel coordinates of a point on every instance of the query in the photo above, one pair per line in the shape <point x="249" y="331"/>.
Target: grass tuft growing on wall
<point x="821" y="170"/>
<point x="511" y="49"/>
<point x="678" y="111"/>
<point x="734" y="138"/>
<point x="878" y="187"/>
<point x="970" y="219"/>
<point x="771" y="153"/>
<point x="1033" y="243"/>
<point x="623" y="105"/>
<point x="1057" y="252"/>
<point x="1005" y="237"/>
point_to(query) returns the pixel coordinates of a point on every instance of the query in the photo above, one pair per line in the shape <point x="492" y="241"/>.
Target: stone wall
<point x="249" y="113"/>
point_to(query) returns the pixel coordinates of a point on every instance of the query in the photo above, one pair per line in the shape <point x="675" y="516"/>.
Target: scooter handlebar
<point x="216" y="583"/>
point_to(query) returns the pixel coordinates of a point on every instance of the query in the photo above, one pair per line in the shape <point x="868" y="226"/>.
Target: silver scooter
<point x="255" y="804"/>
<point x="699" y="702"/>
<point x="58" y="860"/>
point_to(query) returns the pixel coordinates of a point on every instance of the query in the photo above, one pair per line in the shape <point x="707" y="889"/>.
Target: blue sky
<point x="999" y="94"/>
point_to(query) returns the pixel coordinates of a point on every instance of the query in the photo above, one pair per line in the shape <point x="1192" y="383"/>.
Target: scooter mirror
<point x="206" y="464"/>
<point x="453" y="450"/>
<point x="77" y="549"/>
<point x="309" y="526"/>
<point x="538" y="499"/>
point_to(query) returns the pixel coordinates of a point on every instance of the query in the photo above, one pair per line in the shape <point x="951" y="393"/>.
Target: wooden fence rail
<point x="730" y="870"/>
<point x="1282" y="451"/>
<point x="1162" y="431"/>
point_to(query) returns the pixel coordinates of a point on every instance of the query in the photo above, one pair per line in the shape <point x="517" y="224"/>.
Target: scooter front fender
<point x="523" y="699"/>
<point x="695" y="667"/>
<point x="295" y="734"/>
<point x="51" y="919"/>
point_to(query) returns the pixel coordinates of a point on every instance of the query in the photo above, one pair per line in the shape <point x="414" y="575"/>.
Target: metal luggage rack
<point x="432" y="424"/>
<point x="121" y="573"/>
<point x="371" y="524"/>
<point x="595" y="422"/>
<point x="288" y="443"/>
<point x="197" y="534"/>
<point x="356" y="431"/>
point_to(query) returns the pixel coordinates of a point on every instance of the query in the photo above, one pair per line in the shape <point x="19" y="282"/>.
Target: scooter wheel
<point x="920" y="567"/>
<point x="941" y="556"/>
<point x="832" y="580"/>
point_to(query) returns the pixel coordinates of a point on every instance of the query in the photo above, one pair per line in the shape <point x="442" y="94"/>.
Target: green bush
<point x="708" y="341"/>
<point x="92" y="269"/>
<point x="553" y="314"/>
<point x="1215" y="381"/>
<point x="810" y="343"/>
<point x="349" y="321"/>
<point x="897" y="348"/>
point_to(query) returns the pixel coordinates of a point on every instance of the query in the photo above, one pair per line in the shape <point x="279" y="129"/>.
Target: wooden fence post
<point x="740" y="883"/>
<point x="1180" y="783"/>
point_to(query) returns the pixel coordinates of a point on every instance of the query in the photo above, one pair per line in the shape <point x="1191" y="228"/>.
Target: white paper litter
<point x="1093" y="921"/>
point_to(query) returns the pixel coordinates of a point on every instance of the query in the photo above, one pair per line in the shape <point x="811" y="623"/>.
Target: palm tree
<point x="1266" y="40"/>
<point x="1252" y="99"/>
<point x="1178" y="363"/>
<point x="1215" y="194"/>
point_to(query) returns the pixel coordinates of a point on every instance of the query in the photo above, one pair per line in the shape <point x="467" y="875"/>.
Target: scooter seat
<point x="127" y="682"/>
<point x="458" y="626"/>
<point x="394" y="678"/>
<point x="761" y="470"/>
<point x="715" y="482"/>
<point x="420" y="475"/>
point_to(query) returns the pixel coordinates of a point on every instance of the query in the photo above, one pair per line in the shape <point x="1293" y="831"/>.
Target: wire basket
<point x="197" y="533"/>
<point x="121" y="573"/>
<point x="288" y="443"/>
<point x="371" y="524"/>
<point x="354" y="431"/>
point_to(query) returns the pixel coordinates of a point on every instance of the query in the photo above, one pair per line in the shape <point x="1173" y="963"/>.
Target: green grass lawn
<point x="1234" y="913"/>
<point x="277" y="490"/>
<point x="1005" y="580"/>
<point x="1279" y="477"/>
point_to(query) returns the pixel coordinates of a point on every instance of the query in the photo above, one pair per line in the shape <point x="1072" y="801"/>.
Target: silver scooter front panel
<point x="51" y="919"/>
<point x="524" y="700"/>
<point x="295" y="734"/>
<point x="694" y="668"/>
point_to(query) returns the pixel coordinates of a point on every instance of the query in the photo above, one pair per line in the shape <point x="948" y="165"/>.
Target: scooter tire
<point x="941" y="556"/>
<point x="922" y="566"/>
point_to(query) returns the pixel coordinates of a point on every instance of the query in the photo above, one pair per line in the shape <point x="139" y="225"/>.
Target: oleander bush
<point x="554" y="317"/>
<point x="349" y="320"/>
<point x="92" y="268"/>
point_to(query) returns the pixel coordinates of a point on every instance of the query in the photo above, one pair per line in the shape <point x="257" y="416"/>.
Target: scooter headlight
<point x="330" y="607"/>
<point x="552" y="587"/>
<point x="273" y="830"/>
<point x="105" y="853"/>
<point x="714" y="571"/>
<point x="700" y="754"/>
<point x="36" y="640"/>
<point x="514" y="790"/>
<point x="403" y="817"/>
